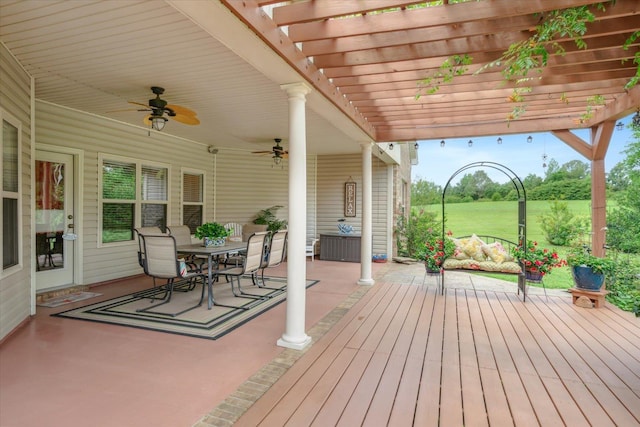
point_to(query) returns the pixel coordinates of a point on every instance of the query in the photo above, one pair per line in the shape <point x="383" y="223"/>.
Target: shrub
<point x="412" y="233"/>
<point x="560" y="226"/>
<point x="624" y="286"/>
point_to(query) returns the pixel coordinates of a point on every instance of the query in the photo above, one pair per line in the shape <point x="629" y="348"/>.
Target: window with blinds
<point x="192" y="199"/>
<point x="10" y="162"/>
<point x="134" y="194"/>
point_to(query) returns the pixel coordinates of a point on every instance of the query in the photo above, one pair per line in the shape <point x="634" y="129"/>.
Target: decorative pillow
<point x="496" y="252"/>
<point x="458" y="252"/>
<point x="473" y="248"/>
<point x="510" y="267"/>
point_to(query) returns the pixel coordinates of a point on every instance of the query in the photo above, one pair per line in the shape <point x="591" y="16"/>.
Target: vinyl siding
<point x="59" y="126"/>
<point x="333" y="172"/>
<point x="15" y="285"/>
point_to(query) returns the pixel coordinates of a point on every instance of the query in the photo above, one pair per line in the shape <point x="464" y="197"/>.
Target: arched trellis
<point x="522" y="210"/>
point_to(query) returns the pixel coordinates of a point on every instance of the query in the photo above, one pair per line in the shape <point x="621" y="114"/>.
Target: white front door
<point x="55" y="235"/>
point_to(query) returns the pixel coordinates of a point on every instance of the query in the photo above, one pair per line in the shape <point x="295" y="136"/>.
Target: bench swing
<point x="498" y="242"/>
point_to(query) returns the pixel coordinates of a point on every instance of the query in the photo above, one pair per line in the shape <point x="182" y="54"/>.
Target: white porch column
<point x="367" y="228"/>
<point x="294" y="335"/>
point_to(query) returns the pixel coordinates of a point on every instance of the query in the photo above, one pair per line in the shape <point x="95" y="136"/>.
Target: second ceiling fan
<point x="278" y="152"/>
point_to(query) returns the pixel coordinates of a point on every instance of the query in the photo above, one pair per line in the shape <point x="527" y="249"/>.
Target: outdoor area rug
<point x="67" y="299"/>
<point x="199" y="322"/>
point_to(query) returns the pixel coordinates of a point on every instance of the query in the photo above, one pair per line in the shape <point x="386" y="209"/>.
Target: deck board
<point x="408" y="356"/>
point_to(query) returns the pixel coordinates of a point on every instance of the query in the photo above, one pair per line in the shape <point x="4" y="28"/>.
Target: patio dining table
<point x="212" y="253"/>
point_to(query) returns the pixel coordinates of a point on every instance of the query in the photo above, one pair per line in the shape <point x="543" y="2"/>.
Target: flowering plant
<point x="537" y="259"/>
<point x="435" y="250"/>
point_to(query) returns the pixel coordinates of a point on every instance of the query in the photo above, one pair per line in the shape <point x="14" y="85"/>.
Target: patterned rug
<point x="199" y="322"/>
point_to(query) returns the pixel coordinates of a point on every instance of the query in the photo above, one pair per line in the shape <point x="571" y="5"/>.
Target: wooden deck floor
<point x="405" y="355"/>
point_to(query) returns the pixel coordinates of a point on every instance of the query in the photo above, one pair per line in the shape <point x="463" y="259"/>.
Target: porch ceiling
<point x="364" y="67"/>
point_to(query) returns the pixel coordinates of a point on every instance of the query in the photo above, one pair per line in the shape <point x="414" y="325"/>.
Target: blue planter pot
<point x="586" y="279"/>
<point x="211" y="242"/>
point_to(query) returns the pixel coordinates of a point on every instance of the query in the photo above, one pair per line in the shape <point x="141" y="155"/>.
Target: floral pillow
<point x="473" y="248"/>
<point x="496" y="252"/>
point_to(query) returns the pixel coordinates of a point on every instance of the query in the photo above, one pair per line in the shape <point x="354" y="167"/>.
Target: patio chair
<point x="182" y="234"/>
<point x="140" y="231"/>
<point x="276" y="253"/>
<point x="161" y="262"/>
<point x="311" y="249"/>
<point x="251" y="263"/>
<point x="236" y="231"/>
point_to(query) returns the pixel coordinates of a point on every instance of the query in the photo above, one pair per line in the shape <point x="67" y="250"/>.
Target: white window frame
<point x="203" y="203"/>
<point x="138" y="201"/>
<point x="13" y="121"/>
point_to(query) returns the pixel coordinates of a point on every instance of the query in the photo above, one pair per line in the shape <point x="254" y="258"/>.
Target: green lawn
<point x="500" y="219"/>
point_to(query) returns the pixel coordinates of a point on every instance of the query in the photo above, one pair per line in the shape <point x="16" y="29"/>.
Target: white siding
<point x="333" y="172"/>
<point x="15" y="288"/>
<point x="58" y="126"/>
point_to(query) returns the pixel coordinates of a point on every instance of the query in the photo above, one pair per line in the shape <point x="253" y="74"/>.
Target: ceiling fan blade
<point x="180" y="110"/>
<point x="138" y="103"/>
<point x="124" y="110"/>
<point x="262" y="152"/>
<point x="147" y="121"/>
<point x="187" y="120"/>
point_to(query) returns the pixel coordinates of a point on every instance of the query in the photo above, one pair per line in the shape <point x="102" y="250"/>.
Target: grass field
<point x="500" y="219"/>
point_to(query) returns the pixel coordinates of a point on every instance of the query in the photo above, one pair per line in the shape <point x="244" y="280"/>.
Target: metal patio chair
<point x="161" y="262"/>
<point x="251" y="263"/>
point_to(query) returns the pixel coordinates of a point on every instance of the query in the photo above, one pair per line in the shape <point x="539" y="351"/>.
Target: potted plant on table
<point x="537" y="261"/>
<point x="212" y="233"/>
<point x="588" y="270"/>
<point x="435" y="250"/>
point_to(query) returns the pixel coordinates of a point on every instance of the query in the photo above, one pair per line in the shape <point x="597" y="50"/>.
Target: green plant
<point x="581" y="256"/>
<point x="623" y="285"/>
<point x="435" y="250"/>
<point x="412" y="232"/>
<point x="268" y="217"/>
<point x="537" y="259"/>
<point x="559" y="225"/>
<point x="212" y="230"/>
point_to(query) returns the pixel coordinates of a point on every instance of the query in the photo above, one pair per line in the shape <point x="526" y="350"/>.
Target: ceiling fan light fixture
<point x="158" y="122"/>
<point x="277" y="159"/>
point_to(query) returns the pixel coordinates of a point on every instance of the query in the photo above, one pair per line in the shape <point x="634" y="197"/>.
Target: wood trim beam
<point x="450" y="14"/>
<point x="414" y="133"/>
<point x="250" y="13"/>
<point x="301" y="12"/>
<point x="575" y="142"/>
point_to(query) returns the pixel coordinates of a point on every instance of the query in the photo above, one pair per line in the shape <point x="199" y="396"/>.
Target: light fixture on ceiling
<point x="390" y="146"/>
<point x="158" y="122"/>
<point x="277" y="159"/>
<point x="442" y="143"/>
<point x="544" y="160"/>
<point x="470" y="143"/>
<point x="619" y="126"/>
<point x="499" y="140"/>
<point x="529" y="139"/>
<point x="416" y="146"/>
<point x="636" y="119"/>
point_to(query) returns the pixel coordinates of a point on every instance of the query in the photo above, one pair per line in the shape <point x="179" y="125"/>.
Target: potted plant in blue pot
<point x="212" y="234"/>
<point x="588" y="270"/>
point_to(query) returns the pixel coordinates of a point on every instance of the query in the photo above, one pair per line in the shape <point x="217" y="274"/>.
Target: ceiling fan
<point x="158" y="107"/>
<point x="278" y="152"/>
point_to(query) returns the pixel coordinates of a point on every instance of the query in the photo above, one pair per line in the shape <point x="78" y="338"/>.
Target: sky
<point x="436" y="164"/>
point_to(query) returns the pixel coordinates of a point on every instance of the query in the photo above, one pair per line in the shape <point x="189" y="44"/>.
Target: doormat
<point x="67" y="299"/>
<point x="199" y="322"/>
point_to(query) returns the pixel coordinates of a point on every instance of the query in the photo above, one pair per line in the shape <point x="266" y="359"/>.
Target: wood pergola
<point x="368" y="56"/>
